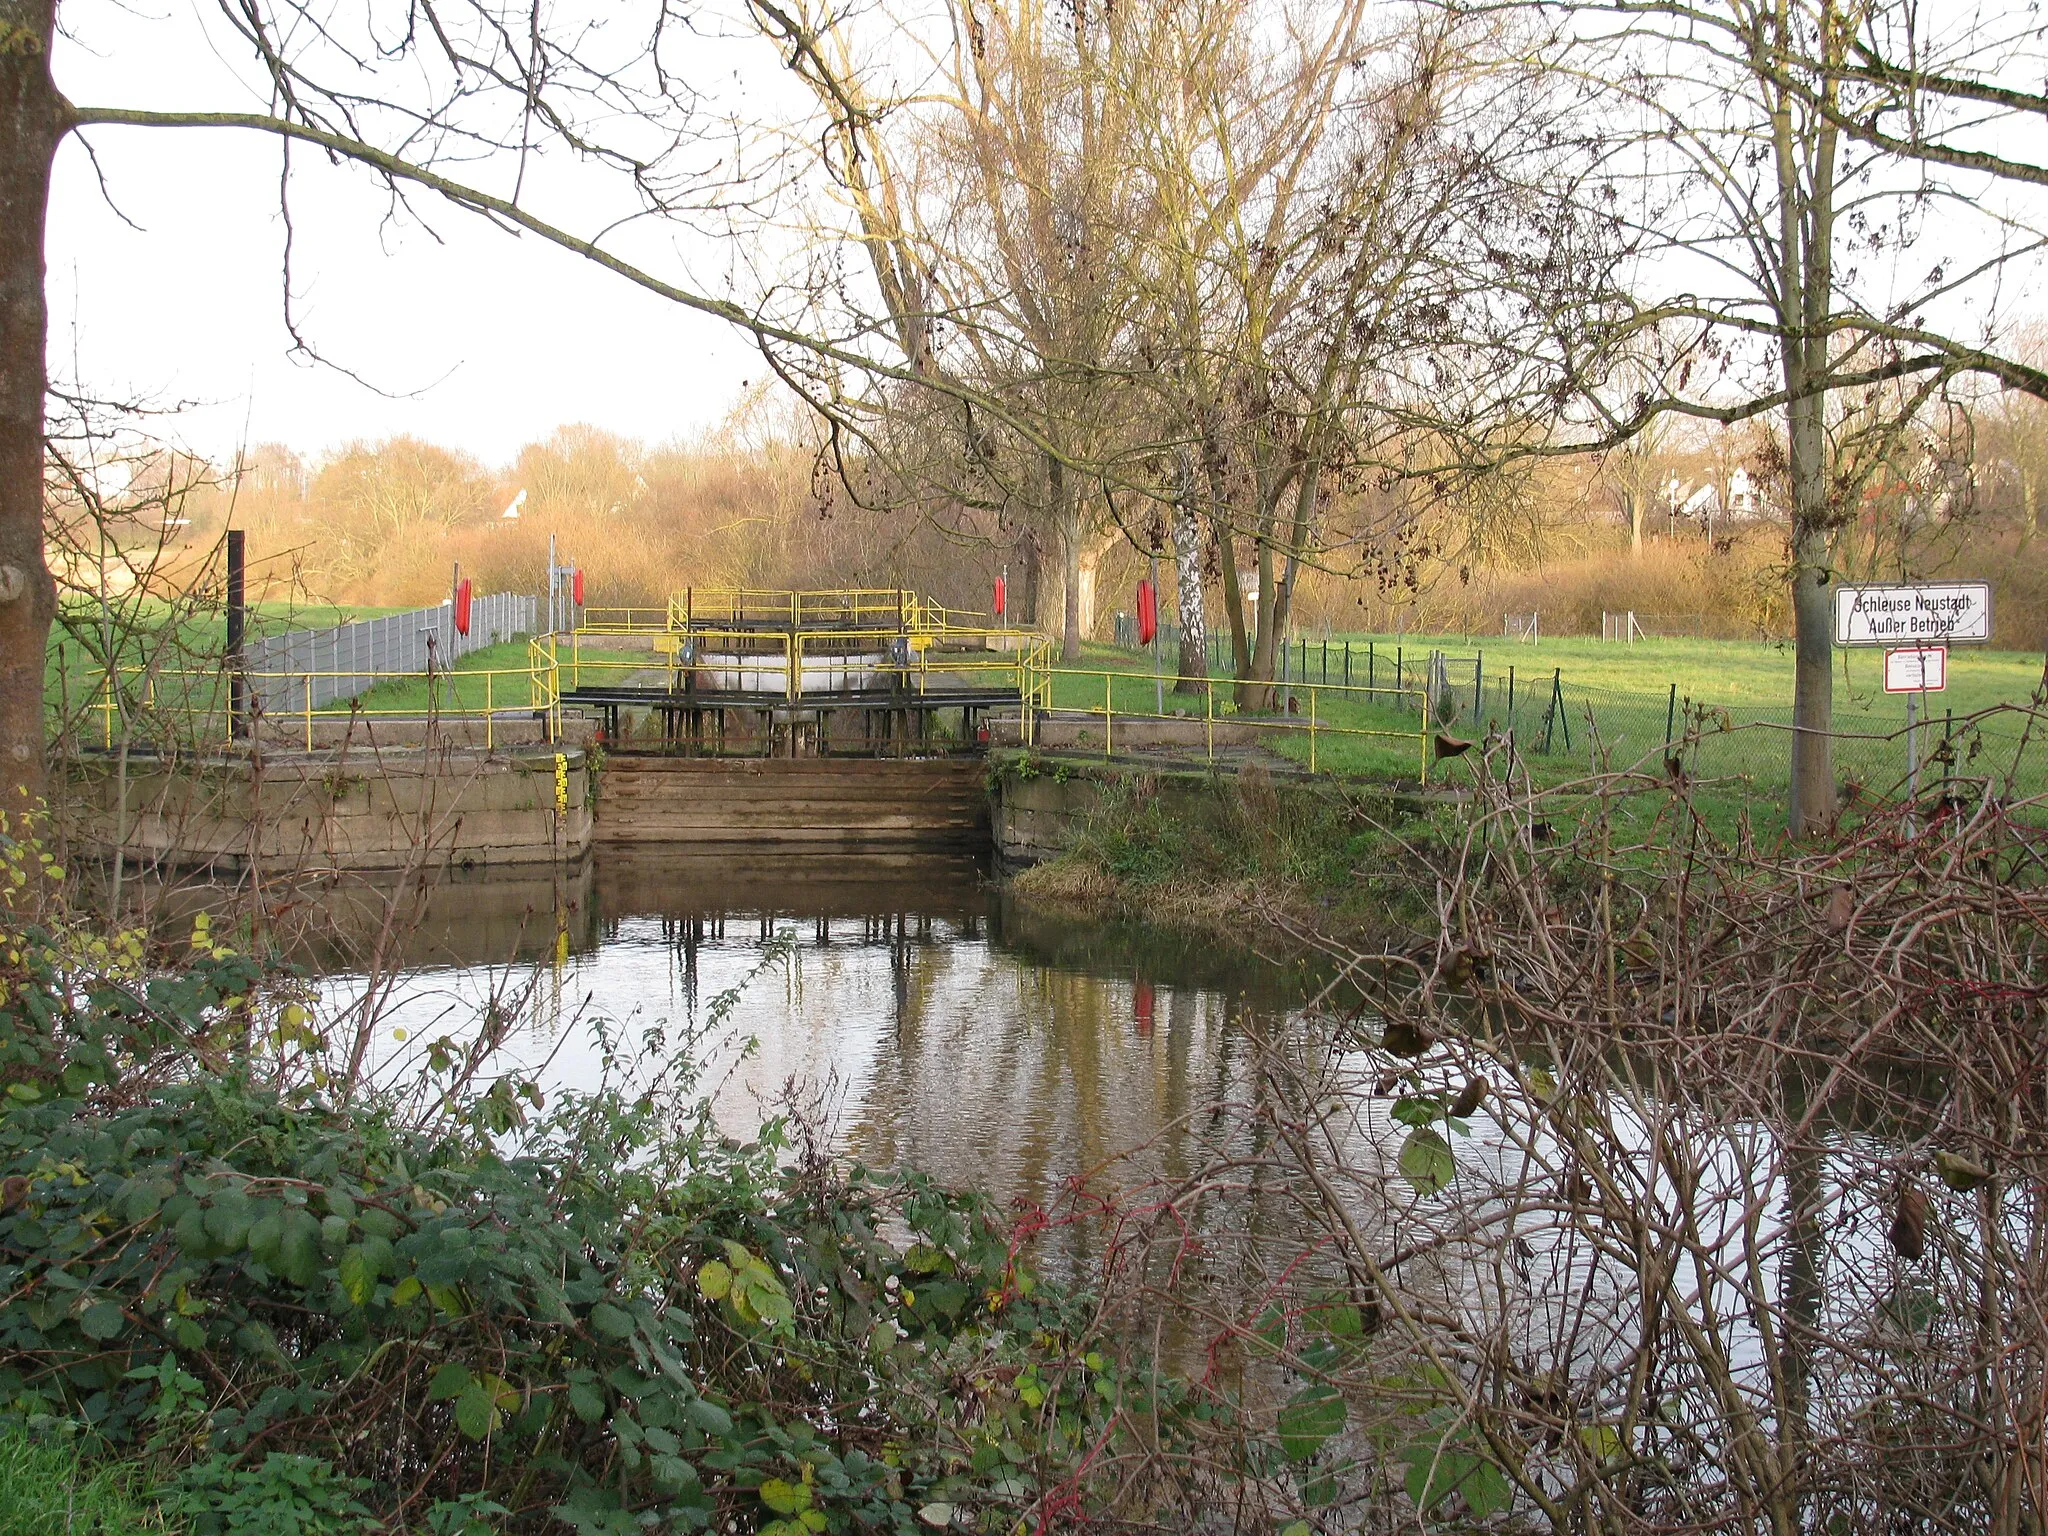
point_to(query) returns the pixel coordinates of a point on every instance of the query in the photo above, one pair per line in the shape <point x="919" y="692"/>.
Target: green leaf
<point x="360" y="1267"/>
<point x="1602" y="1441"/>
<point x="266" y="1232"/>
<point x="1339" y="1319"/>
<point x="1417" y="1110"/>
<point x="1435" y="1472"/>
<point x="476" y="1412"/>
<point x="708" y="1416"/>
<point x="671" y="1472"/>
<point x="1308" y="1420"/>
<point x="484" y="1406"/>
<point x="785" y="1498"/>
<point x="1486" y="1491"/>
<point x="937" y="1514"/>
<point x="586" y="1402"/>
<point x="403" y="1293"/>
<point x="769" y="1302"/>
<point x="298" y="1251"/>
<point x="449" y="1381"/>
<point x="613" y="1322"/>
<point x="1426" y="1161"/>
<point x="102" y="1320"/>
<point x="714" y="1279"/>
<point x="140" y="1203"/>
<point x="227" y="1225"/>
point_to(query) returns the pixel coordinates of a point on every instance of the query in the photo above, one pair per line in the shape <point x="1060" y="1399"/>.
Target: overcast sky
<point x="166" y="285"/>
<point x="488" y="340"/>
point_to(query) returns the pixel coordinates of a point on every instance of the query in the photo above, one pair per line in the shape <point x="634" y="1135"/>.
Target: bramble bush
<point x="312" y="1310"/>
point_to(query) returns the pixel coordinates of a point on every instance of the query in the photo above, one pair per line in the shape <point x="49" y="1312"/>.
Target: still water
<point x="924" y="1017"/>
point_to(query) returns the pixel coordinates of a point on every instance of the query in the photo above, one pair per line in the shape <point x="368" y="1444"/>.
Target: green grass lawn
<point x="498" y="676"/>
<point x="1734" y="674"/>
<point x="47" y="1489"/>
<point x="1621" y="705"/>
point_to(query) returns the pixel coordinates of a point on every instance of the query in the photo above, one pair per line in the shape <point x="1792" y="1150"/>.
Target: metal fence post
<point x="1912" y="753"/>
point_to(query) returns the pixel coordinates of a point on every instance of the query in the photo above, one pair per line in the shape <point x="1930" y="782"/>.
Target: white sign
<point x="1951" y="613"/>
<point x="1923" y="669"/>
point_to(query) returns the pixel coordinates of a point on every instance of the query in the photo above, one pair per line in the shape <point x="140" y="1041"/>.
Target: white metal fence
<point x="349" y="659"/>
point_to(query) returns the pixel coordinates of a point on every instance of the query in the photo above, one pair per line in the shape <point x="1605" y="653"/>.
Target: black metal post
<point x="238" y="685"/>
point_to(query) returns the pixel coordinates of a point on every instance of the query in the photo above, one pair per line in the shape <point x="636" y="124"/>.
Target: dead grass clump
<point x="1067" y="882"/>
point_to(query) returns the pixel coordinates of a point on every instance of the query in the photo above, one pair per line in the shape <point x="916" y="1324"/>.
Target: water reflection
<point x="931" y="1020"/>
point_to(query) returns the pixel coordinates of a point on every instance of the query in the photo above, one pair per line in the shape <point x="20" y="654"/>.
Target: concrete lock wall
<point x="393" y="810"/>
<point x="843" y="803"/>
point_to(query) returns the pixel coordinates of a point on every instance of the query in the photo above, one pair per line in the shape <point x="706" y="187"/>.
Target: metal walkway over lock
<point x="797" y="674"/>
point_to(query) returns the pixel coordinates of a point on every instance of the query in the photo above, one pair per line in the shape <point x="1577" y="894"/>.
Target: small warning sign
<point x="1918" y="669"/>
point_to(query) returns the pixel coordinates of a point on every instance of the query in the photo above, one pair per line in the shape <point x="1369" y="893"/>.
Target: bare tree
<point x="459" y="101"/>
<point x="1781" y="269"/>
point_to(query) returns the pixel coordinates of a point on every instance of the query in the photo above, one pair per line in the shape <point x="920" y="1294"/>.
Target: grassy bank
<point x="1235" y="856"/>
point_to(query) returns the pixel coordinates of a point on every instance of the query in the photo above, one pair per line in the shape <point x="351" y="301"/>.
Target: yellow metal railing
<point x="1304" y="718"/>
<point x="622" y="621"/>
<point x="854" y="607"/>
<point x="195" y="704"/>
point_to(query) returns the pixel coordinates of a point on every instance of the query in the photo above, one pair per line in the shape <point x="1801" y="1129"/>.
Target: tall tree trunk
<point x="1226" y="554"/>
<point x="1255" y="687"/>
<point x="1806" y="168"/>
<point x="1023" y="604"/>
<point x="33" y="118"/>
<point x="1192" y="669"/>
<point x="1813" y="683"/>
<point x="1067" y="530"/>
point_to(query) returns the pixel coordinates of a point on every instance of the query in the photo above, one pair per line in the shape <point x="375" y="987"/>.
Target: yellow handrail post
<point x="1106" y="717"/>
<point x="1423" y="712"/>
<point x="107" y="709"/>
<point x="1311" y="730"/>
<point x="1209" y="720"/>
<point x="576" y="659"/>
<point x="490" y="717"/>
<point x="309" y="712"/>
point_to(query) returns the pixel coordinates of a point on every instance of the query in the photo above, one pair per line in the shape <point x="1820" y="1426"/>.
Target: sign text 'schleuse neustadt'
<point x="1954" y="613"/>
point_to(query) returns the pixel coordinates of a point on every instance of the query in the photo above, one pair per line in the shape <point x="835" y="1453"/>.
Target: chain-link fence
<point x="349" y="659"/>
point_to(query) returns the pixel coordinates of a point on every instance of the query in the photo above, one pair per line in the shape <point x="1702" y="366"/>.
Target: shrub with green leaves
<point x="489" y="1317"/>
